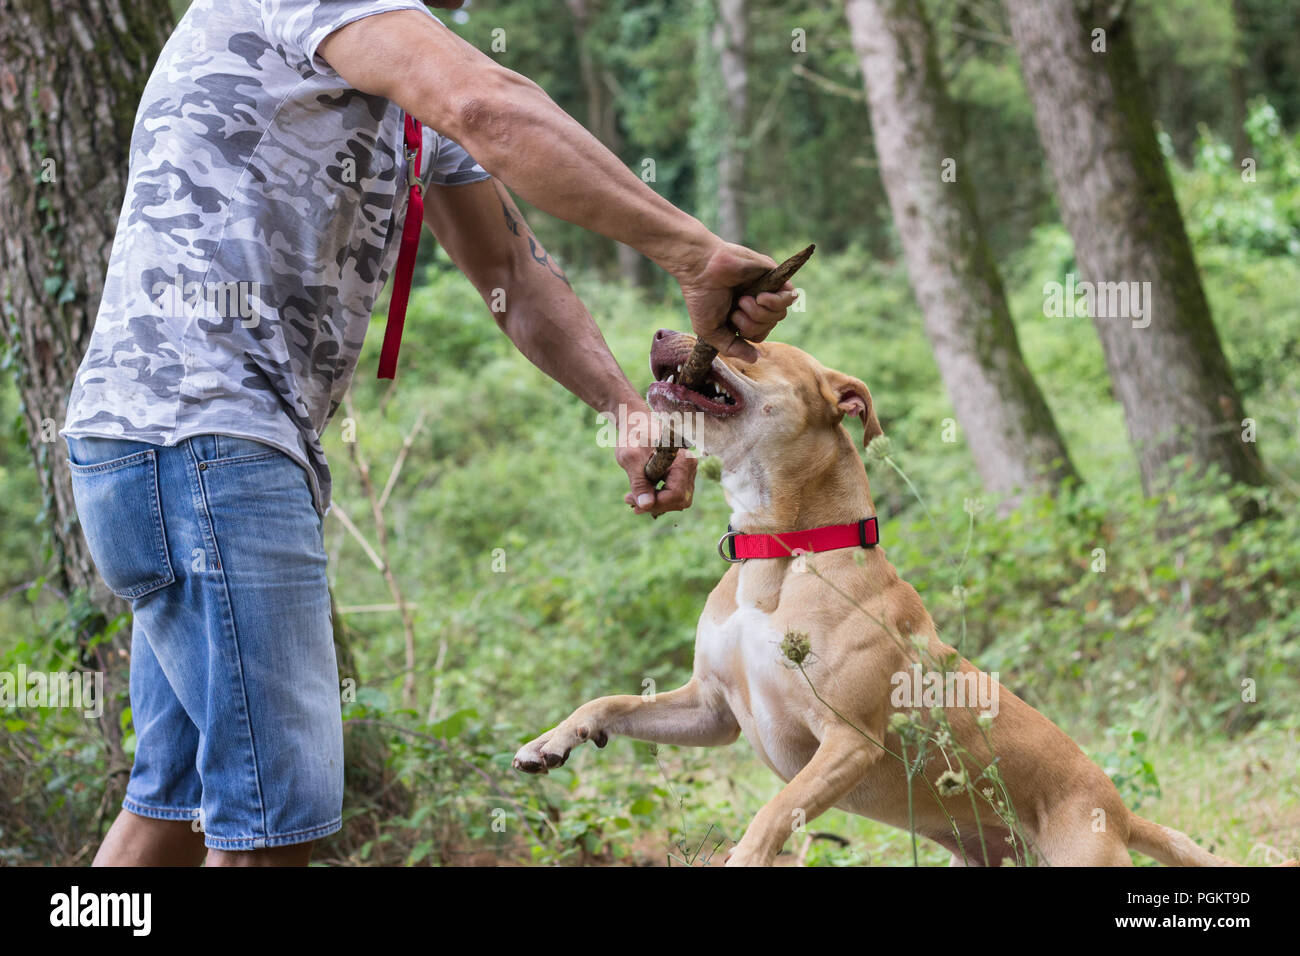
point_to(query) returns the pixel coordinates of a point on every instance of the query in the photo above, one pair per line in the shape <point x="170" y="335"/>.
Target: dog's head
<point x="784" y="409"/>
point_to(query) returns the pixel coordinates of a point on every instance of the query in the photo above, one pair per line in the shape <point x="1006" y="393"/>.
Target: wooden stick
<point x="695" y="371"/>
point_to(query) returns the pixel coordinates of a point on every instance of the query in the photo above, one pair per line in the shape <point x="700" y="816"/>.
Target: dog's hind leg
<point x="1089" y="830"/>
<point x="834" y="770"/>
<point x="1169" y="846"/>
<point x="1086" y="848"/>
<point x="691" y="716"/>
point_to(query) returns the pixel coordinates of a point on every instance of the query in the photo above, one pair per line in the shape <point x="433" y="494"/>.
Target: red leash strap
<point x="735" y="546"/>
<point x="406" y="256"/>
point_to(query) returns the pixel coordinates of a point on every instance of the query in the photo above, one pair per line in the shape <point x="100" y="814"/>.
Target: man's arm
<point x="517" y="133"/>
<point x="487" y="238"/>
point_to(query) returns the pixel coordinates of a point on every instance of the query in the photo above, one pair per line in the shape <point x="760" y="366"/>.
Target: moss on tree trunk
<point x="1117" y="201"/>
<point x="1009" y="427"/>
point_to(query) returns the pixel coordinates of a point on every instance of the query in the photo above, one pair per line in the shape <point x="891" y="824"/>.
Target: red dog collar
<point x="735" y="546"/>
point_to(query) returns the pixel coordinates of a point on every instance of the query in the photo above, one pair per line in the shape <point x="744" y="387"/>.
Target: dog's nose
<point x="663" y="334"/>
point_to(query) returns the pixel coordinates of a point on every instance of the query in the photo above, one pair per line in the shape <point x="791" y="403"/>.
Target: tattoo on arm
<point x="513" y="222"/>
<point x="542" y="259"/>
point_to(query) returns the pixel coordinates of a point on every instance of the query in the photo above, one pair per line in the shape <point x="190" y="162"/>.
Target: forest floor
<point x="1238" y="798"/>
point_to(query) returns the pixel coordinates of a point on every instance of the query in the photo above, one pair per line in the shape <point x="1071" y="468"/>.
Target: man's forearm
<point x="527" y="292"/>
<point x="516" y="132"/>
<point x="550" y="325"/>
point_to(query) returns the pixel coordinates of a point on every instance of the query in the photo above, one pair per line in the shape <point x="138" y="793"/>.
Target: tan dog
<point x="829" y="728"/>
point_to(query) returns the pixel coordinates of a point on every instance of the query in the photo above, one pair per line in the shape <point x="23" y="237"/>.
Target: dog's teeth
<point x="679" y="370"/>
<point x="670" y="378"/>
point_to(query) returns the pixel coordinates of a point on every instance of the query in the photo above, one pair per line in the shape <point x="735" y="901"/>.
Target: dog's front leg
<point x="835" y="769"/>
<point x="690" y="716"/>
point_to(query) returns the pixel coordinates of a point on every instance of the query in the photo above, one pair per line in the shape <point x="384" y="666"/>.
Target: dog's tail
<point x="1168" y="846"/>
<point x="1172" y="848"/>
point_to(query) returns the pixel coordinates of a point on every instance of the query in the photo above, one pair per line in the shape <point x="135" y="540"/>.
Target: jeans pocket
<point x="240" y="451"/>
<point x="121" y="516"/>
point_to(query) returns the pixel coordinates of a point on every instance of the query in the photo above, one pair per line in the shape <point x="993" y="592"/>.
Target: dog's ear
<point x="849" y="396"/>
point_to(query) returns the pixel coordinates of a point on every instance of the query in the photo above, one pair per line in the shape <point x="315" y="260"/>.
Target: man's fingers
<point x="755" y="318"/>
<point x="766" y="303"/>
<point x="768" y="307"/>
<point x="676" y="494"/>
<point x="747" y="309"/>
<point x="778" y="302"/>
<point x="679" y="486"/>
<point x="642" y="495"/>
<point x="729" y="343"/>
<point x="735" y="347"/>
<point x="755" y="328"/>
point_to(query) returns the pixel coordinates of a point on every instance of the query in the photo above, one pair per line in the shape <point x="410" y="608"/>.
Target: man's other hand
<point x="636" y="443"/>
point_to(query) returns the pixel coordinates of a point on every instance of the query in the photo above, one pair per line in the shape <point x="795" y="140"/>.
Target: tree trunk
<point x="1241" y="145"/>
<point x="1118" y="203"/>
<point x="602" y="122"/>
<point x="1010" y="430"/>
<point x="71" y="78"/>
<point x="730" y="40"/>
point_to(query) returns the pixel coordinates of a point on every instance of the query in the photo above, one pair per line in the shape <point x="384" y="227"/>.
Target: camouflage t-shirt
<point x="262" y="216"/>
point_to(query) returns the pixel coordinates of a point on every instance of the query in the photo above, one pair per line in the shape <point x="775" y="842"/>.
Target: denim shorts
<point x="216" y="544"/>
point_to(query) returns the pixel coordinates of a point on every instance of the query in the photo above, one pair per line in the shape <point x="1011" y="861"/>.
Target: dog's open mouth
<point x="715" y="397"/>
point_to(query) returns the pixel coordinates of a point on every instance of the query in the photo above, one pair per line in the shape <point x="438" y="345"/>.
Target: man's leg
<point x="141" y="841"/>
<point x="295" y="854"/>
<point x="270" y="749"/>
<point x="120" y="502"/>
<point x="234" y="686"/>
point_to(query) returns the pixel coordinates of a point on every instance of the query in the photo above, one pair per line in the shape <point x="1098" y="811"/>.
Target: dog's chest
<point x="741" y="651"/>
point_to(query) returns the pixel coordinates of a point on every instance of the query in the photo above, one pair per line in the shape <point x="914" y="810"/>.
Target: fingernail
<point x="645" y="500"/>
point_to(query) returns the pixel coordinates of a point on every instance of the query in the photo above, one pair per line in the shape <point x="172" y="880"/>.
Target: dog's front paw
<point x="533" y="757"/>
<point x="743" y="855"/>
<point x="552" y="749"/>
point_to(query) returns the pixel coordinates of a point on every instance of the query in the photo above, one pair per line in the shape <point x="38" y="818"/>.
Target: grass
<point x="1239" y="798"/>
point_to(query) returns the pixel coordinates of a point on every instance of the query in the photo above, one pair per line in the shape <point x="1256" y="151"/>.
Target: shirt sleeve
<point x="449" y="164"/>
<point x="299" y="26"/>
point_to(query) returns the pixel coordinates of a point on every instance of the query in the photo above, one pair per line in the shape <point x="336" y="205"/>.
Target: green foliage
<point x="1252" y="204"/>
<point x="590" y="601"/>
<point x="1084" y="592"/>
<point x="52" y="784"/>
<point x="534" y="589"/>
<point x="1133" y="774"/>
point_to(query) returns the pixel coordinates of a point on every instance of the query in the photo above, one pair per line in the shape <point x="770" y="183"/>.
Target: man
<point x="267" y="189"/>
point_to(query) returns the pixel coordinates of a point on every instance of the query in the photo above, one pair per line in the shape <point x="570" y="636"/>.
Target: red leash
<point x="406" y="257"/>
